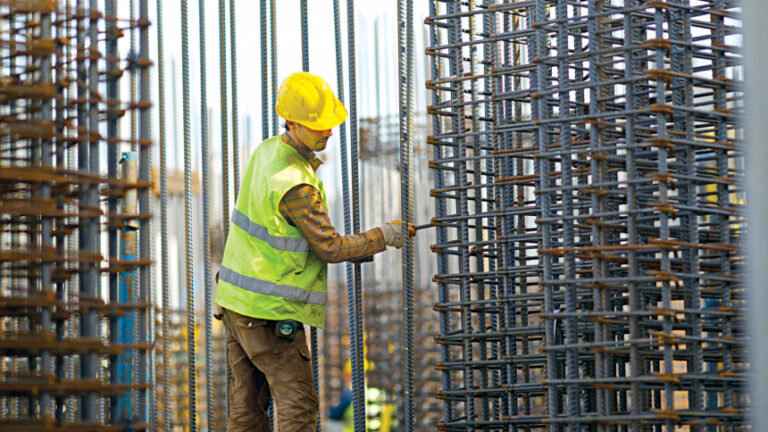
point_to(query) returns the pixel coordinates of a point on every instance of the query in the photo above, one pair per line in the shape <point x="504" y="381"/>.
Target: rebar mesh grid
<point x="74" y="314"/>
<point x="588" y="185"/>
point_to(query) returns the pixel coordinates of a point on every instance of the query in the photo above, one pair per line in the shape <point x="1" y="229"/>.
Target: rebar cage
<point x="75" y="254"/>
<point x="589" y="192"/>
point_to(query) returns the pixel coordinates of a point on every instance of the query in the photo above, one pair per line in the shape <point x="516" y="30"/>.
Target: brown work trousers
<point x="265" y="365"/>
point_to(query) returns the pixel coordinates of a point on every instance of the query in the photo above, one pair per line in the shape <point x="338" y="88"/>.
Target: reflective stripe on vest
<point x="272" y="289"/>
<point x="260" y="232"/>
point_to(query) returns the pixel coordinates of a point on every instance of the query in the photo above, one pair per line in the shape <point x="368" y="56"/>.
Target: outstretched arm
<point x="303" y="207"/>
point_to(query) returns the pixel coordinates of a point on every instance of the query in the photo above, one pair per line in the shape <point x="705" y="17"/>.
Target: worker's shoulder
<point x="277" y="155"/>
<point x="280" y="165"/>
<point x="269" y="145"/>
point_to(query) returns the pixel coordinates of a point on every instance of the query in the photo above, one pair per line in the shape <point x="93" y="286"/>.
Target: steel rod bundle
<point x="589" y="185"/>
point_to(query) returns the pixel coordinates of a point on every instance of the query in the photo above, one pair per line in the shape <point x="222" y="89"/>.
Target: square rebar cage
<point x="589" y="192"/>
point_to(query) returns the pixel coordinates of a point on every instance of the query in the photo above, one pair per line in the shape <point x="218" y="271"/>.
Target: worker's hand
<point x="393" y="233"/>
<point x="218" y="311"/>
<point x="411" y="227"/>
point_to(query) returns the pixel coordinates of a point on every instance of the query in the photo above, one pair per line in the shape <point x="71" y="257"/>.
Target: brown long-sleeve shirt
<point x="303" y="207"/>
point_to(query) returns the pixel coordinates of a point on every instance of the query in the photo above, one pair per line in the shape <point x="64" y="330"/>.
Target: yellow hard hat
<point x="307" y="99"/>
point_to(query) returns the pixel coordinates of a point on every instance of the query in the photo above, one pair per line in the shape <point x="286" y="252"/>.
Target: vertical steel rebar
<point x="93" y="162"/>
<point x="304" y="20"/>
<point x="235" y="111"/>
<point x="145" y="243"/>
<point x="358" y="373"/>
<point x="223" y="103"/>
<point x="405" y="87"/>
<point x="235" y="140"/>
<point x="265" y="113"/>
<point x="71" y="331"/>
<point x="87" y="409"/>
<point x="273" y="61"/>
<point x="345" y="188"/>
<point x="223" y="106"/>
<point x="207" y="277"/>
<point x="440" y="211"/>
<point x="165" y="279"/>
<point x="566" y="198"/>
<point x="189" y="246"/>
<point x="60" y="150"/>
<point x="46" y="223"/>
<point x="304" y="67"/>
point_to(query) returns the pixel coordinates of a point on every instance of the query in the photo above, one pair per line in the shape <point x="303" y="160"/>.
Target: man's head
<point x="310" y="109"/>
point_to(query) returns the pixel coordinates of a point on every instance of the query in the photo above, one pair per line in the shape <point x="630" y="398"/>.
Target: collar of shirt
<point x="306" y="153"/>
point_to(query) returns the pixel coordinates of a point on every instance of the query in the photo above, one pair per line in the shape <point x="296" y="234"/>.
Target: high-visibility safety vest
<point x="268" y="270"/>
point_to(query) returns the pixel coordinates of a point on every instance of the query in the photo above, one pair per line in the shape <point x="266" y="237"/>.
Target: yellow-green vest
<point x="268" y="270"/>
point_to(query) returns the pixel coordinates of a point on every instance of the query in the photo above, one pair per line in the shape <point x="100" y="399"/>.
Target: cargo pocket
<point x="253" y="334"/>
<point x="304" y="351"/>
<point x="305" y="364"/>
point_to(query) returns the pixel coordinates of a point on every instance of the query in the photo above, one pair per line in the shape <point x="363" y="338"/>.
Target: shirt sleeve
<point x="303" y="207"/>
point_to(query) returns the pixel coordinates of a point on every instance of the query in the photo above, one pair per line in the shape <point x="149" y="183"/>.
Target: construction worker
<point x="273" y="276"/>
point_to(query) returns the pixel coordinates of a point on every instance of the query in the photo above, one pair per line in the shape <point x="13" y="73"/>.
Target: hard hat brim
<point x="328" y="122"/>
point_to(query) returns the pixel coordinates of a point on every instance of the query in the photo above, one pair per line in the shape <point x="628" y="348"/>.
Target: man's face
<point x="315" y="140"/>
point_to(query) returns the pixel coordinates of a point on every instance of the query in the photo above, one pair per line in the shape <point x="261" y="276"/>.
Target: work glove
<point x="393" y="233"/>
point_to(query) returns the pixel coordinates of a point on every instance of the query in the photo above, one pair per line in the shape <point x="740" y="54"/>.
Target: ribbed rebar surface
<point x="235" y="106"/>
<point x="273" y="57"/>
<point x="191" y="413"/>
<point x="589" y="188"/>
<point x="264" y="74"/>
<point x="405" y="97"/>
<point x="165" y="299"/>
<point x="304" y="67"/>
